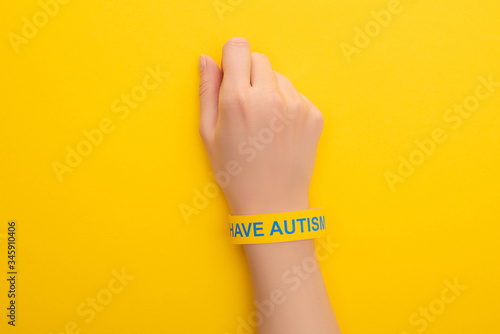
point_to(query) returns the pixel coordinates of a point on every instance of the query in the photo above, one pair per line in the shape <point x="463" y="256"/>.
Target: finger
<point x="210" y="80"/>
<point x="308" y="102"/>
<point x="262" y="74"/>
<point x="286" y="87"/>
<point x="236" y="62"/>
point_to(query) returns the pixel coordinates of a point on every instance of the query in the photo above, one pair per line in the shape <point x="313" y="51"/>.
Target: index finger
<point x="236" y="62"/>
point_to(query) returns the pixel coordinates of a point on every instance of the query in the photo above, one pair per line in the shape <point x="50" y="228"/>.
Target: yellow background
<point x="120" y="207"/>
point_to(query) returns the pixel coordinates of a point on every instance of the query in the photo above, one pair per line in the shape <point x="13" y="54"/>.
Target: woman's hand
<point x="260" y="134"/>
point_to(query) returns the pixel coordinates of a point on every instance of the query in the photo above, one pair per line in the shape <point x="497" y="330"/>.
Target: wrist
<point x="265" y="204"/>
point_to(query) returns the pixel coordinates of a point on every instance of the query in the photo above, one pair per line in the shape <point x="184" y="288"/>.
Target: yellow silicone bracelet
<point x="277" y="227"/>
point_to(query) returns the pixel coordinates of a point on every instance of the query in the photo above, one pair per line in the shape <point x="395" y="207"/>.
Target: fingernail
<point x="203" y="63"/>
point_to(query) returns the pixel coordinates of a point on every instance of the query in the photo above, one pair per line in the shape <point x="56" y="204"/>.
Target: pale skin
<point x="253" y="121"/>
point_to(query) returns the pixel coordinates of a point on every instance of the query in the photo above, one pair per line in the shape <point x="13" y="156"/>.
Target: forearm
<point x="287" y="274"/>
<point x="291" y="271"/>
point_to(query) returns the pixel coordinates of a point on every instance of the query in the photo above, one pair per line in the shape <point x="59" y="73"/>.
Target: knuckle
<point x="296" y="107"/>
<point x="297" y="104"/>
<point x="275" y="100"/>
<point x="318" y="117"/>
<point x="204" y="88"/>
<point x="234" y="97"/>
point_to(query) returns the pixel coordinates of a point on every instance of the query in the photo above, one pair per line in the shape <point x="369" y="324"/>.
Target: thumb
<point x="210" y="80"/>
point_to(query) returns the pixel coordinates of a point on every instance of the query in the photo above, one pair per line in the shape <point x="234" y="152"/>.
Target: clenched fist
<point x="260" y="134"/>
